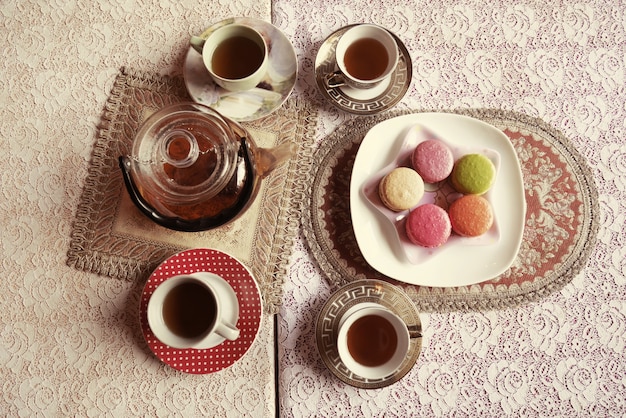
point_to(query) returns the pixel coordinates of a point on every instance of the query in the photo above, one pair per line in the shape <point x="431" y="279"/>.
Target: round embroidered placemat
<point x="561" y="220"/>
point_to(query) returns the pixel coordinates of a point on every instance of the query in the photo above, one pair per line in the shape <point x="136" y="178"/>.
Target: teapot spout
<point x="270" y="158"/>
<point x="266" y="159"/>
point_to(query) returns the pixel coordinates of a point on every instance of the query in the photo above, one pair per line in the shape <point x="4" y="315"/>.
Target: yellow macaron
<point x="401" y="189"/>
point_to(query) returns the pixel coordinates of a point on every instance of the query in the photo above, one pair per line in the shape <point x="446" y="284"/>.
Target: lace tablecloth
<point x="70" y="341"/>
<point x="561" y="355"/>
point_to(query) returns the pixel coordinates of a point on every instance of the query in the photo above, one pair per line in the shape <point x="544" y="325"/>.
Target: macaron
<point x="428" y="225"/>
<point x="433" y="160"/>
<point x="473" y="174"/>
<point x="470" y="215"/>
<point x="401" y="189"/>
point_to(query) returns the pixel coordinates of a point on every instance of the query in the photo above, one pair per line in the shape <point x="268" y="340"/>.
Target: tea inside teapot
<point x="191" y="169"/>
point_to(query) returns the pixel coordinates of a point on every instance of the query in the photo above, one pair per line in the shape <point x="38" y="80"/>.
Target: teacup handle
<point x="197" y="43"/>
<point x="227" y="331"/>
<point x="335" y="79"/>
<point x="415" y="331"/>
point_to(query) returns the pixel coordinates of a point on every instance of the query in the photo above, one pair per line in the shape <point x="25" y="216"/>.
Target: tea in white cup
<point x="186" y="311"/>
<point x="366" y="55"/>
<point x="372" y="341"/>
<point x="235" y="55"/>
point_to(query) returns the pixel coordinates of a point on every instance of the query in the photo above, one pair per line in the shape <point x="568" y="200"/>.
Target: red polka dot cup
<point x="198" y="310"/>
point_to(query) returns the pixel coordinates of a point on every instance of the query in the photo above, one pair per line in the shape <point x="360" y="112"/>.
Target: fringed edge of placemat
<point x="78" y="256"/>
<point x="301" y="166"/>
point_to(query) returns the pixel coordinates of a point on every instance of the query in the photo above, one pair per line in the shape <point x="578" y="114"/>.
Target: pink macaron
<point x="433" y="160"/>
<point x="428" y="225"/>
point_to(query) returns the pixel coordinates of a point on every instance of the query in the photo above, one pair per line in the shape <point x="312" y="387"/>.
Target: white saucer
<point x="252" y="104"/>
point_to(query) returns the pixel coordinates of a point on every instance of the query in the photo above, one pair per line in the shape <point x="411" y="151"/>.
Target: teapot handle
<point x="185" y="225"/>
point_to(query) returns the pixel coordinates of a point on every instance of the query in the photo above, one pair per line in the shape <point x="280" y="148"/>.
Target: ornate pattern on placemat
<point x="111" y="237"/>
<point x="561" y="221"/>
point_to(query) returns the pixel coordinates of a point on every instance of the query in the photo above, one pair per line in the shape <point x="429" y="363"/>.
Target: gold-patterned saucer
<point x="362" y="102"/>
<point x="365" y="291"/>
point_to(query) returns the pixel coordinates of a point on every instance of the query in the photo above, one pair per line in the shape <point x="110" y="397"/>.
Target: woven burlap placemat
<point x="561" y="221"/>
<point x="111" y="237"/>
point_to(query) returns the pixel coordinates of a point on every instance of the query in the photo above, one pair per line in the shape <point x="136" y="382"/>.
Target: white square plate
<point x="456" y="263"/>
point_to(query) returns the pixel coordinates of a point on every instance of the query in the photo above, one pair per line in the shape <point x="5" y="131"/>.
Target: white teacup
<point x="187" y="311"/>
<point x="372" y="341"/>
<point x="366" y="55"/>
<point x="235" y="55"/>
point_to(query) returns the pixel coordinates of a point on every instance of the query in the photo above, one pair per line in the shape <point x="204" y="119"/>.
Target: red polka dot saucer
<point x="219" y="357"/>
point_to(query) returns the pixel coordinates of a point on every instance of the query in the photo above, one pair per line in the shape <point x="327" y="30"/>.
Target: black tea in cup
<point x="189" y="310"/>
<point x="372" y="340"/>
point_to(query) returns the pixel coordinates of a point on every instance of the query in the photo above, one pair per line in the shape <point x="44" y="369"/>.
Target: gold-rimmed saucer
<point x="362" y="102"/>
<point x="365" y="291"/>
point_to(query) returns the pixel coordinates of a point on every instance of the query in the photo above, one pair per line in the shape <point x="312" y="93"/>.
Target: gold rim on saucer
<point x="340" y="302"/>
<point x="359" y="102"/>
<point x="251" y="104"/>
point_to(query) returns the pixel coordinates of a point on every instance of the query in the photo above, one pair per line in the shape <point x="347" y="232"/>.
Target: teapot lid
<point x="184" y="153"/>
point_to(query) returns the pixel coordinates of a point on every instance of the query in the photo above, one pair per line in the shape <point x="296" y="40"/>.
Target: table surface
<point x="70" y="341"/>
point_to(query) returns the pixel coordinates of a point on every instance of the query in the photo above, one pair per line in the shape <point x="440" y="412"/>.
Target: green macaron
<point x="473" y="174"/>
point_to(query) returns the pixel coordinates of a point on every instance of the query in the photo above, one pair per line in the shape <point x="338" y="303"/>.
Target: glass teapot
<point x="192" y="169"/>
